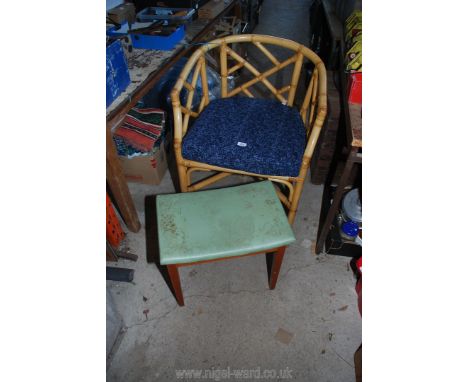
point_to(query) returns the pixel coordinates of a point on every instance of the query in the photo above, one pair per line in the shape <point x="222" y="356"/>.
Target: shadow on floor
<point x="152" y="243"/>
<point x="269" y="263"/>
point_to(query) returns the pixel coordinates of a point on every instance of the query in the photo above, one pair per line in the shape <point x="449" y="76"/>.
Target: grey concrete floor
<point x="309" y="324"/>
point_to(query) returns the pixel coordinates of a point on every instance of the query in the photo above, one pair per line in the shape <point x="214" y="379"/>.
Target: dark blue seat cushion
<point x="254" y="135"/>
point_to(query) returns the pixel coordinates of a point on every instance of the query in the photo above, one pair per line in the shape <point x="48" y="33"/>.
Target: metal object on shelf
<point x="122" y="13"/>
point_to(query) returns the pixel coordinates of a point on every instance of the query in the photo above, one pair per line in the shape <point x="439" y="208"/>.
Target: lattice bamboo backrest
<point x="313" y="106"/>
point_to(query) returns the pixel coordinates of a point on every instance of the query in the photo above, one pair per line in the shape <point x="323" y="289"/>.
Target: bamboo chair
<point x="311" y="113"/>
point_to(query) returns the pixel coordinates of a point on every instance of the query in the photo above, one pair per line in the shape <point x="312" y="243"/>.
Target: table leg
<point x="119" y="186"/>
<point x="325" y="228"/>
<point x="276" y="266"/>
<point x="175" y="281"/>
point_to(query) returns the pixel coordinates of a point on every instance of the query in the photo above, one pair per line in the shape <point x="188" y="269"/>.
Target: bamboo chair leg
<point x="297" y="190"/>
<point x="295" y="201"/>
<point x="183" y="181"/>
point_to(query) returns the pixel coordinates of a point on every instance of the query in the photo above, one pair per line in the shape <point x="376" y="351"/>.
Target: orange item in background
<point x="114" y="233"/>
<point x="355" y="88"/>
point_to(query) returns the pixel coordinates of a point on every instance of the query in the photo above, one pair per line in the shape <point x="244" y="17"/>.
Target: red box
<point x="355" y="88"/>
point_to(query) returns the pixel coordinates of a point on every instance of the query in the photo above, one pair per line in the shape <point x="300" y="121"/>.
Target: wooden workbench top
<point x="144" y="65"/>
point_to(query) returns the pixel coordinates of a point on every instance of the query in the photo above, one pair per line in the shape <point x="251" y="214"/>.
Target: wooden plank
<point x="323" y="154"/>
<point x="210" y="9"/>
<point x="119" y="187"/>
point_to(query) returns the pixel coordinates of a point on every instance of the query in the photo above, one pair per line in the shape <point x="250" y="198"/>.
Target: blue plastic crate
<point x="117" y="76"/>
<point x="118" y="32"/>
<point x="143" y="41"/>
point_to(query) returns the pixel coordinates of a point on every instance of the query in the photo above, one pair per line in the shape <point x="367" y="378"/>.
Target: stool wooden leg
<point x="175" y="281"/>
<point x="276" y="266"/>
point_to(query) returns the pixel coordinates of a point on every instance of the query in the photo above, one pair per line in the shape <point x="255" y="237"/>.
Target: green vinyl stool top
<point x="215" y="224"/>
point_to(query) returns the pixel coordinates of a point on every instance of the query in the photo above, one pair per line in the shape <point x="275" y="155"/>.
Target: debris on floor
<point x="284" y="336"/>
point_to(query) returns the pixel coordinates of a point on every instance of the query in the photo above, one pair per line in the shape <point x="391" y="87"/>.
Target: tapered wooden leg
<point x="276" y="266"/>
<point x="175" y="281"/>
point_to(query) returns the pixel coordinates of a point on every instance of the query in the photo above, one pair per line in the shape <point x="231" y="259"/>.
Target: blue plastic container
<point x="142" y="41"/>
<point x="118" y="32"/>
<point x="350" y="230"/>
<point x="117" y="76"/>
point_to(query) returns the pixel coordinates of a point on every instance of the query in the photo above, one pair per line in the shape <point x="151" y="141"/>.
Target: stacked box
<point x="141" y="145"/>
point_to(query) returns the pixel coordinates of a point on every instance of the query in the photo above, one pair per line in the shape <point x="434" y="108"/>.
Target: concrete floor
<point x="309" y="324"/>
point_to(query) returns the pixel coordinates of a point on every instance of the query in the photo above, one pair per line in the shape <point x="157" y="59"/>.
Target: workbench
<point x="146" y="68"/>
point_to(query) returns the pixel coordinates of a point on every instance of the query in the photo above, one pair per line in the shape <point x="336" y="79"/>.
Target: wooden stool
<point x="205" y="226"/>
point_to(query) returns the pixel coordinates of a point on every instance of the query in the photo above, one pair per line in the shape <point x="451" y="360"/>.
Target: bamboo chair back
<point x="313" y="107"/>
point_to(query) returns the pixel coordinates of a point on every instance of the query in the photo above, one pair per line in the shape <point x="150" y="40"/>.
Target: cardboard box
<point x="147" y="169"/>
<point x="141" y="144"/>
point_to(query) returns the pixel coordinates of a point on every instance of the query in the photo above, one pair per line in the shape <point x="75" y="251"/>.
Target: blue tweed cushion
<point x="254" y="135"/>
